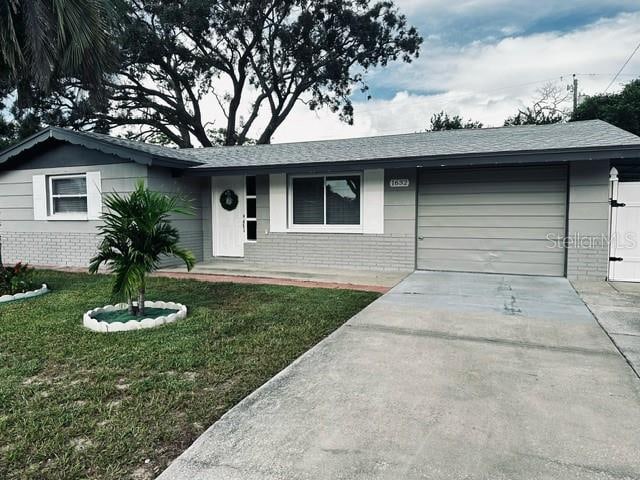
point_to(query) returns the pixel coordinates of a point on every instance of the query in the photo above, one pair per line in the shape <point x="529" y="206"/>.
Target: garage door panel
<point x="496" y="187"/>
<point x="548" y="210"/>
<point x="511" y="198"/>
<point x="488" y="244"/>
<point x="483" y="220"/>
<point x="498" y="175"/>
<point x="497" y="222"/>
<point x="552" y="257"/>
<point x="493" y="266"/>
<point x="489" y="232"/>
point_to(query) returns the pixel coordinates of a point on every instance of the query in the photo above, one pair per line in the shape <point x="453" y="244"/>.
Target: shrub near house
<point x="136" y="234"/>
<point x="16" y="279"/>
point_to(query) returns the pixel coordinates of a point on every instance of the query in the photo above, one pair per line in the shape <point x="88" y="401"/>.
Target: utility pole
<point x="575" y="93"/>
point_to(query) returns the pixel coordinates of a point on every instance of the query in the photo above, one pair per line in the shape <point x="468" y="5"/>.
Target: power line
<point x="447" y="100"/>
<point x="444" y="101"/>
<point x="607" y="74"/>
<point x="622" y="68"/>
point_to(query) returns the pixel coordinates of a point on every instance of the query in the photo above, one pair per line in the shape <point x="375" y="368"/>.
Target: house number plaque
<point x="399" y="182"/>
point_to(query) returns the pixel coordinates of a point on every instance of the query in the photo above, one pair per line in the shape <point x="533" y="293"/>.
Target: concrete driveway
<point x="448" y="376"/>
<point x="616" y="305"/>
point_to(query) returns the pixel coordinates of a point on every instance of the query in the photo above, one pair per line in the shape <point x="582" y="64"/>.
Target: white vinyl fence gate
<point x="624" y="251"/>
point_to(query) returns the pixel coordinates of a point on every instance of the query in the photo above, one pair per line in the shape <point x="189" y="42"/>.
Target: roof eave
<point x="25" y="144"/>
<point x="436" y="161"/>
<point x="77" y="138"/>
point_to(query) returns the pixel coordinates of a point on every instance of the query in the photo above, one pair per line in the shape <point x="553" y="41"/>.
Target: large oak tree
<point x="257" y="59"/>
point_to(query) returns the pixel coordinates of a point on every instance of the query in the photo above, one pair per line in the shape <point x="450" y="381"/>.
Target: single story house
<point x="516" y="200"/>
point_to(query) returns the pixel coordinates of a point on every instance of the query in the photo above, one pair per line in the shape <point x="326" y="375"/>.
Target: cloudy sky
<point x="483" y="59"/>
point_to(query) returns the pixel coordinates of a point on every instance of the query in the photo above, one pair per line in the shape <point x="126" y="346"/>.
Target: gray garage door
<point x="492" y="220"/>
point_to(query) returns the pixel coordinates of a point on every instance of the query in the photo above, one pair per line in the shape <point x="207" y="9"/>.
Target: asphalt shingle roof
<point x="530" y="138"/>
<point x="586" y="135"/>
<point x="150" y="148"/>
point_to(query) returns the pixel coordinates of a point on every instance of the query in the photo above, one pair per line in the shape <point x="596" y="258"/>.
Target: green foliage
<point x="530" y="116"/>
<point x="620" y="109"/>
<point x="253" y="56"/>
<point x="21" y="126"/>
<point x="136" y="234"/>
<point x="442" y="121"/>
<point x="41" y="40"/>
<point x="16" y="279"/>
<point x="54" y="55"/>
<point x="269" y="55"/>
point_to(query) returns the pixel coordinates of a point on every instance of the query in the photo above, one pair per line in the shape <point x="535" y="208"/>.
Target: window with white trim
<point x="326" y="200"/>
<point x="67" y="194"/>
<point x="251" y="209"/>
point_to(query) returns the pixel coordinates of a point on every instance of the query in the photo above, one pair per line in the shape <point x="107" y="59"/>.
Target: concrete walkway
<point x="447" y="376"/>
<point x="616" y="305"/>
<point x="239" y="271"/>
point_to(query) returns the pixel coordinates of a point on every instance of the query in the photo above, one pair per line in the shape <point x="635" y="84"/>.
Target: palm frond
<point x="136" y="234"/>
<point x="40" y="38"/>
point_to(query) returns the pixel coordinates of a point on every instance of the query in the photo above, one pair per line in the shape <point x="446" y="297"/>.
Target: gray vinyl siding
<point x="494" y="220"/>
<point x="400" y="205"/>
<point x="55" y="242"/>
<point x="64" y="154"/>
<point x="189" y="226"/>
<point x="207" y="230"/>
<point x="588" y="249"/>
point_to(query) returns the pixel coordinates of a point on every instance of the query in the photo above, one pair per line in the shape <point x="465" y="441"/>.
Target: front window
<point x="326" y="200"/>
<point x="67" y="194"/>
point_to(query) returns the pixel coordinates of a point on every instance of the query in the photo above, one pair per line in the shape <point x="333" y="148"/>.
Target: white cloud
<point x="442" y="15"/>
<point x="485" y="80"/>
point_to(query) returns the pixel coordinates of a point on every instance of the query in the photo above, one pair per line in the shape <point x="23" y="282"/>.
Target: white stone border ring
<point x="105" y="327"/>
<point x="20" y="296"/>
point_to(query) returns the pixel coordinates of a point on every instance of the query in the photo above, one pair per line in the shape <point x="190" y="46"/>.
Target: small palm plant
<point x="136" y="234"/>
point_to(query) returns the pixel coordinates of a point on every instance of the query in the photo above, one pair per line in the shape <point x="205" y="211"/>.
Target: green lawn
<point x="80" y="404"/>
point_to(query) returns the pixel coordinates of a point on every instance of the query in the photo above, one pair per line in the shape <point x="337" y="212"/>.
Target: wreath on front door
<point x="229" y="200"/>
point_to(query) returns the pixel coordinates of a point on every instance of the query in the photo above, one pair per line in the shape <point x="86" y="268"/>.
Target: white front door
<point x="625" y="229"/>
<point x="228" y="223"/>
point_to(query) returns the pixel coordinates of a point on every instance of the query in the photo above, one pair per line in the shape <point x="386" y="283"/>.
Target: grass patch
<point x="80" y="404"/>
<point x="124" y="316"/>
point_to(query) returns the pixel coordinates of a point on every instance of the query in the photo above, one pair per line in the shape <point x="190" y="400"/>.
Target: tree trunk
<point x="141" y="293"/>
<point x="130" y="309"/>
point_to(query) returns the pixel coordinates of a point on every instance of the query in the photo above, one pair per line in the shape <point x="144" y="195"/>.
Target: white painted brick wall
<point x="588" y="263"/>
<point x="355" y="251"/>
<point x="49" y="248"/>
